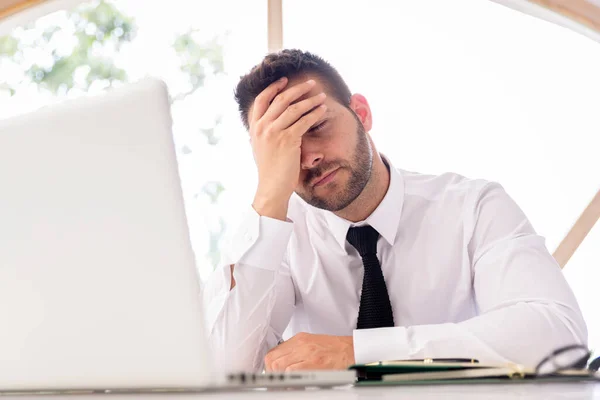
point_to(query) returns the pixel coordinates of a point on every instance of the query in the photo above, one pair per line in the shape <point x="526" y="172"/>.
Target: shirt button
<point x="248" y="237"/>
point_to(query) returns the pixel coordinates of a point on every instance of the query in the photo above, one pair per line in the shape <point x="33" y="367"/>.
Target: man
<point x="367" y="262"/>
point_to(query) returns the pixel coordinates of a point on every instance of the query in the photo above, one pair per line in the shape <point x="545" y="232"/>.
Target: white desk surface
<point x="548" y="391"/>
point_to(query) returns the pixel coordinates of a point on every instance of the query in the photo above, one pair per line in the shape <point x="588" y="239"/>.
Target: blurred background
<point x="467" y="86"/>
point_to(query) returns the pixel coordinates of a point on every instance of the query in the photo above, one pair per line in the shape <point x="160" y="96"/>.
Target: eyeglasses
<point x="569" y="357"/>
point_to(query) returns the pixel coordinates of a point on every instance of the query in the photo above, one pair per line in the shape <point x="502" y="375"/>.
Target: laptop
<point x="98" y="283"/>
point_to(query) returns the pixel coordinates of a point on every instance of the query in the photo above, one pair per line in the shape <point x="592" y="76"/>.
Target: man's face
<point x="336" y="159"/>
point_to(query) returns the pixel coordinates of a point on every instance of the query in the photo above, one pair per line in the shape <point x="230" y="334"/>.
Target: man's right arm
<point x="248" y="319"/>
<point x="250" y="300"/>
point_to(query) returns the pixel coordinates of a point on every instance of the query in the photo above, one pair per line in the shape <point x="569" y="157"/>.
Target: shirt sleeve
<point x="246" y="321"/>
<point x="526" y="307"/>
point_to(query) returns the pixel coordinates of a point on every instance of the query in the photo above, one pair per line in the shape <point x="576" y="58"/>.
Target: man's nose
<point x="310" y="159"/>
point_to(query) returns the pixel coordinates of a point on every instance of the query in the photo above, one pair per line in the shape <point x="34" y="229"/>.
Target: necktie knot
<point x="364" y="239"/>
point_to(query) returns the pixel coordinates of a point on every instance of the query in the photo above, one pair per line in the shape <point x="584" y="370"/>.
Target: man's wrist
<point x="271" y="207"/>
<point x="349" y="342"/>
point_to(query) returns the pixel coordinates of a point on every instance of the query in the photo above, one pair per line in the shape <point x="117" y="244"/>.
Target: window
<point x="470" y="87"/>
<point x="479" y="89"/>
<point x="199" y="48"/>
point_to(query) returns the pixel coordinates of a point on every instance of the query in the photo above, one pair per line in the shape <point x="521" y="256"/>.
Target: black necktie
<point x="375" y="309"/>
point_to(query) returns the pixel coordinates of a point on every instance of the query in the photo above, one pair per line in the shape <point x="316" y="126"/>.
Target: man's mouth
<point x="325" y="178"/>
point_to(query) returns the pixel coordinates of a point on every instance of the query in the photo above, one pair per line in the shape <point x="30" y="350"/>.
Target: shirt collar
<point x="386" y="217"/>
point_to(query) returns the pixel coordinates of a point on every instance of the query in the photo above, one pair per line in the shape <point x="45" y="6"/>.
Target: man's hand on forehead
<point x="280" y="116"/>
<point x="292" y="84"/>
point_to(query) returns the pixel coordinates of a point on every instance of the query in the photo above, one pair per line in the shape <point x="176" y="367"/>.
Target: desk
<point x="548" y="391"/>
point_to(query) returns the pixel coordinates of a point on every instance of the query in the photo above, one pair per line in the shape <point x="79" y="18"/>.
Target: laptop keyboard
<point x="258" y="378"/>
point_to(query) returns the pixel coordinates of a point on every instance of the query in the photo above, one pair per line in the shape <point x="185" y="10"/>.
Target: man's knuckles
<point x="302" y="337"/>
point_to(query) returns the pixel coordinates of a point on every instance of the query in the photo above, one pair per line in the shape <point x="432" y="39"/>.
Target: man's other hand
<point x="306" y="351"/>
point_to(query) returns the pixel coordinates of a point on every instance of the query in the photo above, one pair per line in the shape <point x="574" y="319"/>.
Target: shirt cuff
<point x="381" y="344"/>
<point x="260" y="241"/>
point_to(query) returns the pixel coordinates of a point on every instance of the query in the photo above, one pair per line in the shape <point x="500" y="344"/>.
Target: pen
<point x="446" y="360"/>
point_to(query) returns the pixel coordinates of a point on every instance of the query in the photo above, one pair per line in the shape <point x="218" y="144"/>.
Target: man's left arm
<point x="526" y="307"/>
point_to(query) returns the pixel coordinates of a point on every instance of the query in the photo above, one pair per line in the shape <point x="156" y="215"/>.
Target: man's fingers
<point x="294" y="112"/>
<point x="282" y="101"/>
<point x="276" y="353"/>
<point x="287" y="362"/>
<point x="307" y="121"/>
<point x="280" y="363"/>
<point x="299" y="366"/>
<point x="264" y="99"/>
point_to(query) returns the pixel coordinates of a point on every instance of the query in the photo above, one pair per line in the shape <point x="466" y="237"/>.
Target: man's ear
<point x="360" y="106"/>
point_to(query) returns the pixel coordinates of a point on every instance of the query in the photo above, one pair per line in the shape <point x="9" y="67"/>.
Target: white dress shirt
<point x="466" y="274"/>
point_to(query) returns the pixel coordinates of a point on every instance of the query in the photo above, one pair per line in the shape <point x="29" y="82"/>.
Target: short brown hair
<point x="289" y="63"/>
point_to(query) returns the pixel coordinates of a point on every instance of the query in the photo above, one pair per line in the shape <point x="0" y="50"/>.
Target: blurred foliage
<point x="76" y="45"/>
<point x="213" y="190"/>
<point x="77" y="50"/>
<point x="198" y="60"/>
<point x="8" y="46"/>
<point x="210" y="134"/>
